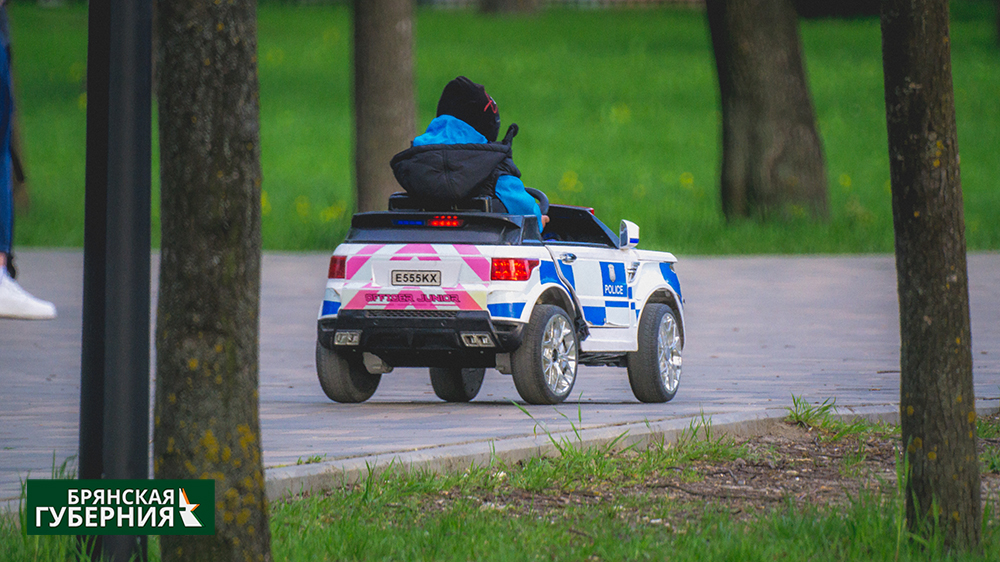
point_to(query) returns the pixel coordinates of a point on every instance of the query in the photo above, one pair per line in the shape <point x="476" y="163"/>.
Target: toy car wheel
<point x="545" y="364"/>
<point x="454" y="384"/>
<point x="654" y="371"/>
<point x="343" y="379"/>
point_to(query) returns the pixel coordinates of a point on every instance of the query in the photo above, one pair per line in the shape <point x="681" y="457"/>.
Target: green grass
<point x="533" y="511"/>
<point x="391" y="528"/>
<point x="584" y="504"/>
<point x="618" y="110"/>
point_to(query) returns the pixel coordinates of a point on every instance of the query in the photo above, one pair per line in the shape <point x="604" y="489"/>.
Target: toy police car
<point x="462" y="289"/>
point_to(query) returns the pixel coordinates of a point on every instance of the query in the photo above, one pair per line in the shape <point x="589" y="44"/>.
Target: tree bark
<point x="206" y="415"/>
<point x="937" y="402"/>
<point x="508" y="6"/>
<point x="384" y="103"/>
<point x="772" y="156"/>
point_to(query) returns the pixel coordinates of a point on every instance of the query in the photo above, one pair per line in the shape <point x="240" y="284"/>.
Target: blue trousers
<point x="6" y="204"/>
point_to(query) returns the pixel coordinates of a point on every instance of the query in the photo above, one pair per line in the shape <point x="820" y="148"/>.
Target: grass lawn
<point x="618" y="111"/>
<point x="815" y="488"/>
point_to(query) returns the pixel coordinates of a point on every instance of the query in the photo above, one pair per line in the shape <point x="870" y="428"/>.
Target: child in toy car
<point x="459" y="156"/>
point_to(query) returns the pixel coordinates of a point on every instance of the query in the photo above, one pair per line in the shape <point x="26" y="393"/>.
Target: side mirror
<point x="628" y="235"/>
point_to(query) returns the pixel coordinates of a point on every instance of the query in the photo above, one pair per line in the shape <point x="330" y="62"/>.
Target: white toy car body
<point x="459" y="291"/>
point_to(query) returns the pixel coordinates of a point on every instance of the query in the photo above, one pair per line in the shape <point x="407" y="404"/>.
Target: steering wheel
<point x="543" y="200"/>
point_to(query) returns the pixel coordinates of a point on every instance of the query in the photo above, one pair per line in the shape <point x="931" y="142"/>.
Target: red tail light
<point x="511" y="269"/>
<point x="338" y="267"/>
<point x="447" y="221"/>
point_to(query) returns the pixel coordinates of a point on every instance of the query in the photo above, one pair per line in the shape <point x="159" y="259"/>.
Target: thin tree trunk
<point x="772" y="156"/>
<point x="938" y="406"/>
<point x="206" y="416"/>
<point x="384" y="103"/>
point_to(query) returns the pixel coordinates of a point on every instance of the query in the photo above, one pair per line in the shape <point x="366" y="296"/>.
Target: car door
<point x="600" y="278"/>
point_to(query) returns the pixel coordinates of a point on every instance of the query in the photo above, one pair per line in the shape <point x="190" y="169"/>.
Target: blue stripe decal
<point x="330" y="308"/>
<point x="633" y="240"/>
<point x="506" y="309"/>
<point x="547" y="273"/>
<point x="617" y="304"/>
<point x="567" y="271"/>
<point x="594" y="315"/>
<point x="671" y="278"/>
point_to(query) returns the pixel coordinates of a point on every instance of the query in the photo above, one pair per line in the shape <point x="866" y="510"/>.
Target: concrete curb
<point x="294" y="480"/>
<point x="290" y="481"/>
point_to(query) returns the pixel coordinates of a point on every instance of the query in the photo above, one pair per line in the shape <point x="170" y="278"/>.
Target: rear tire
<point x="654" y="371"/>
<point x="545" y="364"/>
<point x="342" y="379"/>
<point x="455" y="384"/>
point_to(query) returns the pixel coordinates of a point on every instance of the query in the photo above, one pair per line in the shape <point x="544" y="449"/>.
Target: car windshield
<point x="577" y="225"/>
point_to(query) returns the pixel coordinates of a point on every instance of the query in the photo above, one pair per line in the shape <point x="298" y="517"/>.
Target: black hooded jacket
<point x="455" y="171"/>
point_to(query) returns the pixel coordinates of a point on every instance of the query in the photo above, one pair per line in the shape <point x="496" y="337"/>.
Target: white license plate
<point x="416" y="278"/>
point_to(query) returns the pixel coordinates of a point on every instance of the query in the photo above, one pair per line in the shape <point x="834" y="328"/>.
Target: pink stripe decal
<point x="357" y="261"/>
<point x="409" y="251"/>
<point x="416" y="300"/>
<point x="479" y="264"/>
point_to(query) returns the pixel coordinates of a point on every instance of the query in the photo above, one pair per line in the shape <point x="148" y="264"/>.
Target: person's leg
<point x="15" y="302"/>
<point x="6" y="215"/>
<point x="6" y="210"/>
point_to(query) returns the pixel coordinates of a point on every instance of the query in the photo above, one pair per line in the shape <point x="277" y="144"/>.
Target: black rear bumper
<point x="422" y="338"/>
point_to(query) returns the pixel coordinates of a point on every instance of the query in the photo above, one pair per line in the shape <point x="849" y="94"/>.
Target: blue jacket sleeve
<point x="510" y="191"/>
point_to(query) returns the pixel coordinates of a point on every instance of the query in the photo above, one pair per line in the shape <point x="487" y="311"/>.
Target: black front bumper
<point x="422" y="338"/>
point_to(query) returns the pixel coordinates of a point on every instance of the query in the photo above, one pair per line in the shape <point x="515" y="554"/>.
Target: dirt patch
<point x="788" y="464"/>
<point x="792" y="463"/>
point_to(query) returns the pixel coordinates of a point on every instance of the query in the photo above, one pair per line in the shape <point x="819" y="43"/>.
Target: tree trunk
<point x="772" y="156"/>
<point x="384" y="103"/>
<point x="937" y="403"/>
<point x="508" y="6"/>
<point x="206" y="416"/>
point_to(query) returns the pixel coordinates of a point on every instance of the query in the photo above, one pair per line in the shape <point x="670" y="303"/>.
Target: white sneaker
<point x="15" y="302"/>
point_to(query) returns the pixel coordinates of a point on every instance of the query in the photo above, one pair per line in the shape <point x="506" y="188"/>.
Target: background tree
<point x="938" y="406"/>
<point x="772" y="157"/>
<point x="206" y="415"/>
<point x="384" y="107"/>
<point x="836" y="8"/>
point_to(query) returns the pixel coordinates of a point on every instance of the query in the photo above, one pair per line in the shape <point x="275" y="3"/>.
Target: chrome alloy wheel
<point x="559" y="355"/>
<point x="668" y="350"/>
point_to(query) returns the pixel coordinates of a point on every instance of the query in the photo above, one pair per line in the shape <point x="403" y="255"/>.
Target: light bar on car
<point x="446" y="221"/>
<point x="338" y="267"/>
<point x="511" y="269"/>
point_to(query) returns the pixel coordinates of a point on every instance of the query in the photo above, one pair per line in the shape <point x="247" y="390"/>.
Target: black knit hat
<point x="469" y="101"/>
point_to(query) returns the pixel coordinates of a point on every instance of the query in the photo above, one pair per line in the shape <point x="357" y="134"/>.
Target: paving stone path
<point x="760" y="329"/>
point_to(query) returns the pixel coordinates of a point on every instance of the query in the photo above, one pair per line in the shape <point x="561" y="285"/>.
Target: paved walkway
<point x="761" y="329"/>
